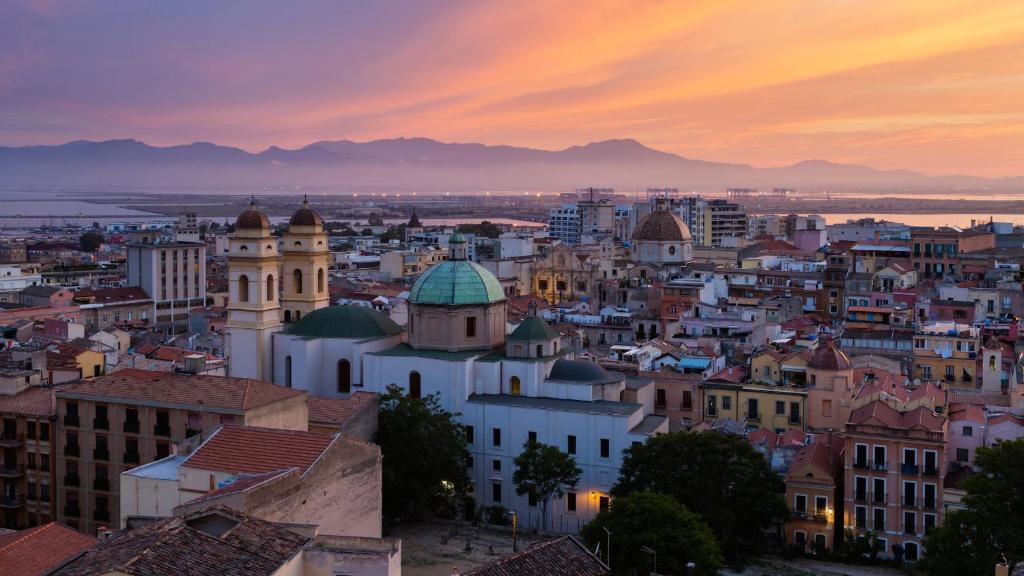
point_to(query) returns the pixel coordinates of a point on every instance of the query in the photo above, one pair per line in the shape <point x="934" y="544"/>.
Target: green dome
<point x="457" y="282"/>
<point x="533" y="328"/>
<point x="344" y="322"/>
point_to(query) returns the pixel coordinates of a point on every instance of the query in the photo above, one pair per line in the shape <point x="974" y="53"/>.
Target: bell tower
<point x="254" y="313"/>
<point x="305" y="265"/>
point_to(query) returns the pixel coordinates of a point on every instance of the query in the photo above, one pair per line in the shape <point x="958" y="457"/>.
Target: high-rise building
<point x="172" y="272"/>
<point x="723" y="220"/>
<point x="596" y="220"/>
<point x="564" y="224"/>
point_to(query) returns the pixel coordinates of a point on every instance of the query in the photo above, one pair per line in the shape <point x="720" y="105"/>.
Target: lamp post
<point x="653" y="553"/>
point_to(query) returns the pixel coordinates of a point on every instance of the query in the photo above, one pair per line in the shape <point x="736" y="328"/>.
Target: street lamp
<point x="653" y="553"/>
<point x="689" y="568"/>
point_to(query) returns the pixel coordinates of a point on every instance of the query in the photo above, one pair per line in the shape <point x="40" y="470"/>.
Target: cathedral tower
<point x="305" y="266"/>
<point x="254" y="313"/>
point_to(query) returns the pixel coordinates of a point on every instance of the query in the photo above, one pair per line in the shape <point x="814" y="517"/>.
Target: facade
<point x="113" y="423"/>
<point x="936" y="251"/>
<point x="663" y="241"/>
<point x="28" y="469"/>
<point x="564" y="224"/>
<point x="947" y="351"/>
<point x="596" y="220"/>
<point x="813" y="481"/>
<point x="103" y="308"/>
<point x="172" y="273"/>
<point x="724" y="220"/>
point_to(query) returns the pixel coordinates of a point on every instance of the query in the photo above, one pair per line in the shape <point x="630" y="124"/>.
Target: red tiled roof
<point x="1000" y="418"/>
<point x="828" y="357"/>
<point x="563" y="556"/>
<point x="242" y="484"/>
<point x="815" y="455"/>
<point x="254" y="450"/>
<point x="37" y="551"/>
<point x="213" y="392"/>
<point x="982" y="399"/>
<point x="33" y="402"/>
<point x="112" y="295"/>
<point x="878" y="413"/>
<point x="338" y="410"/>
<point x="969" y="412"/>
<point x="172" y="354"/>
<point x="763" y="435"/>
<point x="731" y="374"/>
<point x="792" y="437"/>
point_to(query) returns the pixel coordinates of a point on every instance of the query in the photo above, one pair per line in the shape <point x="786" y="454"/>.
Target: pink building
<point x="830" y="388"/>
<point x="967" y="431"/>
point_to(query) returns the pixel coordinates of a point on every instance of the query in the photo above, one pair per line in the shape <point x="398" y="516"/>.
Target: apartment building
<point x="131" y="417"/>
<point x="723" y="220"/>
<point x="947" y="351"/>
<point x="27" y="472"/>
<point x="103" y="308"/>
<point x="596" y="220"/>
<point x="564" y="224"/>
<point x="730" y="394"/>
<point x="936" y="251"/>
<point x="893" y="485"/>
<point x="173" y="273"/>
<point x="813" y="481"/>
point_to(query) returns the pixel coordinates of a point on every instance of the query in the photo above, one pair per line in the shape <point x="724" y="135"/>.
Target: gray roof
<point x="582" y="371"/>
<point x="404" y="350"/>
<point x="40" y="290"/>
<point x="559" y="404"/>
<point x="648" y="425"/>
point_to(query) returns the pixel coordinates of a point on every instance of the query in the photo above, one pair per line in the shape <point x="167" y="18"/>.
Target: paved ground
<point x="771" y="566"/>
<point x="435" y="548"/>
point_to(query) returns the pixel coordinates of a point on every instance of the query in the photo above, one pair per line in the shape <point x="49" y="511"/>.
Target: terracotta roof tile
<point x="112" y="295"/>
<point x="968" y="412"/>
<point x="252" y="450"/>
<point x="213" y="392"/>
<point x="34" y="402"/>
<point x="563" y="556"/>
<point x="338" y="410"/>
<point x="38" y="550"/>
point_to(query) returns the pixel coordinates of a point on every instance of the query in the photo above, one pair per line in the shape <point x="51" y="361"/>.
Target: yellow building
<point x="769" y="366"/>
<point x="947" y="351"/>
<point x="729" y="394"/>
<point x="89" y="363"/>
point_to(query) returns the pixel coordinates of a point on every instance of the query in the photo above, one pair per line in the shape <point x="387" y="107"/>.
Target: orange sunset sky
<point x="933" y="86"/>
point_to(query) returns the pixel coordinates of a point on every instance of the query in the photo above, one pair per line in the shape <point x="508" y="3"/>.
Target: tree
<point x="485" y="229"/>
<point x="375" y="220"/>
<point x="659" y="523"/>
<point x="424" y="454"/>
<point x="545" y="472"/>
<point x="367" y="231"/>
<point x="718" y="476"/>
<point x="973" y="540"/>
<point x="90" y="241"/>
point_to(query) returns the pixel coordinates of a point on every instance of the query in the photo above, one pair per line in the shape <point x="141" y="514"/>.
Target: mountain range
<point x="430" y="165"/>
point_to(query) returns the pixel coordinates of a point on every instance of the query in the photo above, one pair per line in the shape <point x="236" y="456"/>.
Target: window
<point x="570" y="501"/>
<point x="909" y="523"/>
<point x="496" y="437"/>
<point x="860" y="459"/>
<point x="820" y="505"/>
<point x="968" y="431"/>
<point x="320" y="280"/>
<point x="753" y="412"/>
<point x="243" y="288"/>
<point x="962" y="455"/>
<point x="288" y="371"/>
<point x="860" y="517"/>
<point x="297" y="281"/>
<point x="726" y="402"/>
<point x="415" y="390"/>
<point x="496" y="492"/>
<point x="687" y="400"/>
<point x="605" y="448"/>
<point x="44" y="431"/>
<point x="496" y="465"/>
<point x="712" y="409"/>
<point x="469" y="434"/>
<point x="540" y="350"/>
<point x="800" y="503"/>
<point x="344" y="376"/>
<point x="30" y="430"/>
<point x="826" y="408"/>
<point x="570" y="444"/>
<point x="780" y="408"/>
<point x="163" y="449"/>
<point x="471" y="327"/>
<point x="878" y="488"/>
<point x="270" y="288"/>
<point x="879" y="519"/>
<point x="514" y="386"/>
<point x="602" y="504"/>
<point x="287" y="315"/>
<point x="660" y="400"/>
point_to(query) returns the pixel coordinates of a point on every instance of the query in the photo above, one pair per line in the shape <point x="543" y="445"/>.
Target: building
<point x="724" y="220"/>
<point x="947" y="351"/>
<point x="39" y="550"/>
<point x="172" y="273"/>
<point x="730" y="394"/>
<point x="564" y="224"/>
<point x="103" y="308"/>
<point x="305" y="261"/>
<point x="831" y="388"/>
<point x="663" y="242"/>
<point x="813" y="483"/>
<point x="45" y="296"/>
<point x="596" y="220"/>
<point x="561" y="556"/>
<point x="893" y="483"/>
<point x="936" y="251"/>
<point x="28" y="469"/>
<point x="132" y="417"/>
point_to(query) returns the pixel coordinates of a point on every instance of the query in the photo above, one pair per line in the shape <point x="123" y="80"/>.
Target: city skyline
<point x="914" y="86"/>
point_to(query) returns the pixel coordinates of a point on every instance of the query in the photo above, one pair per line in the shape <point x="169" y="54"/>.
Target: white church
<point x="508" y="388"/>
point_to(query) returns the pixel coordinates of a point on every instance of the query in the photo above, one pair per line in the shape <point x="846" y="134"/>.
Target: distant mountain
<point x="425" y="164"/>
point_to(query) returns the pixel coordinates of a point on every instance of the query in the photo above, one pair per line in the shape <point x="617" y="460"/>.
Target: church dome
<point x="306" y="216"/>
<point x="829" y="357"/>
<point x="457" y="282"/>
<point x="344" y="322"/>
<point x="661" y="226"/>
<point x="252" y="219"/>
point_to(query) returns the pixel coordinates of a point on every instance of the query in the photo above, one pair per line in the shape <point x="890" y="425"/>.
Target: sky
<point x="933" y="86"/>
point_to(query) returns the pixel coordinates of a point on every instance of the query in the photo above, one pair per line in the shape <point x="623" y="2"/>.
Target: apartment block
<point x="27" y="471"/>
<point x="117" y="422"/>
<point x="173" y="273"/>
<point x="947" y="351"/>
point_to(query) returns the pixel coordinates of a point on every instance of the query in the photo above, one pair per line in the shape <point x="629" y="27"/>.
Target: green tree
<point x="659" y="523"/>
<point x="485" y="229"/>
<point x="375" y="220"/>
<point x="972" y="541"/>
<point x="545" y="472"/>
<point x="424" y="454"/>
<point x="90" y="241"/>
<point x="718" y="476"/>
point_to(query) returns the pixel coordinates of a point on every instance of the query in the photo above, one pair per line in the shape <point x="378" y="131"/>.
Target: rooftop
<point x="37" y="551"/>
<point x="32" y="402"/>
<point x="562" y="556"/>
<point x="323" y="410"/>
<point x="162" y="469"/>
<point x="544" y="403"/>
<point x="456" y="282"/>
<point x="349" y="322"/>
<point x="248" y="449"/>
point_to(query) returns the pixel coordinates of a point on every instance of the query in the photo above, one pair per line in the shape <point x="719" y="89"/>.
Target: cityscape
<point x="436" y="290"/>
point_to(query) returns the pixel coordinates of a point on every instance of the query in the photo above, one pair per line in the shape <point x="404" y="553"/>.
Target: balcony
<point x="930" y="471"/>
<point x="878" y="527"/>
<point x="100" y="424"/>
<point x="753" y="416"/>
<point x="72" y="480"/>
<point x="101" y="484"/>
<point x="861" y="496"/>
<point x="159" y="430"/>
<point x="72" y="510"/>
<point x="929" y="503"/>
<point x="861" y="464"/>
<point x="11" y="440"/>
<point x="190" y="432"/>
<point x="882" y="466"/>
<point x="910" y="502"/>
<point x="131" y="457"/>
<point x="101" y="515"/>
<point x="819" y="517"/>
<point x="879" y="498"/>
<point x="910" y="528"/>
<point x="71" y="420"/>
<point x="101" y="453"/>
<point x="795" y="420"/>
<point x="12" y="501"/>
<point x="131" y="426"/>
<point x="909" y="469"/>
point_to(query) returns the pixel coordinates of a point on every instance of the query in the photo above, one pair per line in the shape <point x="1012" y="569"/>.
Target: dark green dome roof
<point x="533" y="328"/>
<point x="344" y="322"/>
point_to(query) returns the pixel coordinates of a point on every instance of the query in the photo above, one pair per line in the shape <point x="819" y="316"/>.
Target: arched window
<point x="514" y="386"/>
<point x="297" y="281"/>
<point x="671" y="250"/>
<point x="270" y="287"/>
<point x="243" y="288"/>
<point x="243" y="248"/>
<point x="414" y="385"/>
<point x="320" y="280"/>
<point x="992" y="362"/>
<point x="344" y="376"/>
<point x="287" y="315"/>
<point x="288" y="371"/>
